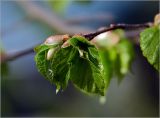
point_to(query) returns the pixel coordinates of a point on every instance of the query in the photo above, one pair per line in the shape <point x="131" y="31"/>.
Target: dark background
<point x="24" y="92"/>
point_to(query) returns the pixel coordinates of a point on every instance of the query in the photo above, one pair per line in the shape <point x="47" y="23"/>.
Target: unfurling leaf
<point x="149" y="43"/>
<point x="55" y="70"/>
<point x="77" y="60"/>
<point x="116" y="54"/>
<point x="86" y="72"/>
<point x="107" y="65"/>
<point x="78" y="63"/>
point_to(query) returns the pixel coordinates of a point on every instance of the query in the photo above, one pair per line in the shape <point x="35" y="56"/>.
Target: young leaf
<point x="86" y="72"/>
<point x="79" y="62"/>
<point x="80" y="42"/>
<point x="149" y="43"/>
<point x="107" y="65"/>
<point x="40" y="59"/>
<point x="55" y="70"/>
<point x="125" y="55"/>
<point x="60" y="66"/>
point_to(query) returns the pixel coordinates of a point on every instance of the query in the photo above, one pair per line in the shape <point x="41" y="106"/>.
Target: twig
<point x="15" y="55"/>
<point x="90" y="36"/>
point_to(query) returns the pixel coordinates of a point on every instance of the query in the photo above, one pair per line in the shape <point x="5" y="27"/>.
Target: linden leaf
<point x="55" y="70"/>
<point x="79" y="63"/>
<point x="107" y="65"/>
<point x="125" y="55"/>
<point x="86" y="72"/>
<point x="149" y="43"/>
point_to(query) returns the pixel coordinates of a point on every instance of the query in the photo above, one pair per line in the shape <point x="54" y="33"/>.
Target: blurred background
<point x="24" y="92"/>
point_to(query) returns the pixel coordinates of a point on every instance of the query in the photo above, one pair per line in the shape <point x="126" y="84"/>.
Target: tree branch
<point x="15" y="55"/>
<point x="89" y="36"/>
<point x="36" y="12"/>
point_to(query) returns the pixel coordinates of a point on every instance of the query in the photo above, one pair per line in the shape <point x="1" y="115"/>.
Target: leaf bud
<point x="50" y="53"/>
<point x="56" y="39"/>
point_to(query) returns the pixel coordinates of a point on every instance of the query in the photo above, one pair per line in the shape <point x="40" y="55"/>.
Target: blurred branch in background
<point x="50" y="18"/>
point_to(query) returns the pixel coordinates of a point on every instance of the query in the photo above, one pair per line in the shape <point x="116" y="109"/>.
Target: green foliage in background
<point x="4" y="66"/>
<point x="116" y="57"/>
<point x="58" y="5"/>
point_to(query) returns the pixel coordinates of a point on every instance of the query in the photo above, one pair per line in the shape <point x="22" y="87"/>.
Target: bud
<point x="65" y="44"/>
<point x="106" y="39"/>
<point x="157" y="19"/>
<point x="56" y="39"/>
<point x="50" y="53"/>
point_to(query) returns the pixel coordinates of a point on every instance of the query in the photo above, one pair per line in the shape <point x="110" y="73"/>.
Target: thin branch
<point x="15" y="55"/>
<point x="90" y="36"/>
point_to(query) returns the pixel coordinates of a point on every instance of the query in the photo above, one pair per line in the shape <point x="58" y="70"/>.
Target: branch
<point x="89" y="36"/>
<point x="15" y="55"/>
<point x="36" y="12"/>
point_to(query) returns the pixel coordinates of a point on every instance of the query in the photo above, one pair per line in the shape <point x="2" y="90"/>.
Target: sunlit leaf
<point x="55" y="70"/>
<point x="86" y="72"/>
<point x="149" y="43"/>
<point x="107" y="65"/>
<point x="78" y="63"/>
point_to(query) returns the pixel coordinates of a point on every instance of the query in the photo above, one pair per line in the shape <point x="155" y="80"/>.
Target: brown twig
<point x="15" y="55"/>
<point x="89" y="36"/>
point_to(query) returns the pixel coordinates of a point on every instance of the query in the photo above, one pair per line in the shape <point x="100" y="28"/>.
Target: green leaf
<point x="58" y="5"/>
<point x="41" y="61"/>
<point x="80" y="42"/>
<point x="55" y="70"/>
<point x="107" y="65"/>
<point x="60" y="66"/>
<point x="125" y="55"/>
<point x="79" y="63"/>
<point x="86" y="74"/>
<point x="4" y="69"/>
<point x="149" y="43"/>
